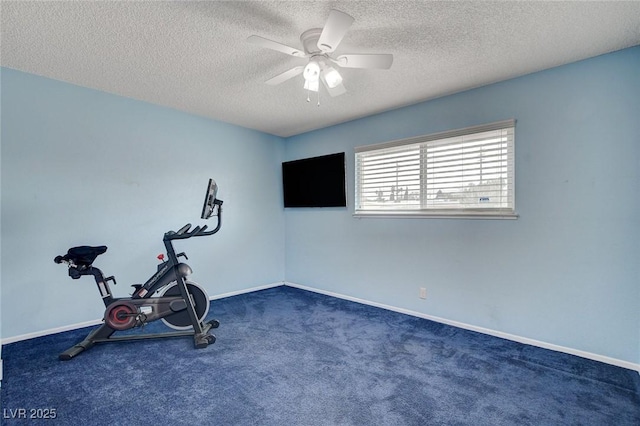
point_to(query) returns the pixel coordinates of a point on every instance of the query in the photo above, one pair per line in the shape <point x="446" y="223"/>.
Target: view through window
<point x="462" y="172"/>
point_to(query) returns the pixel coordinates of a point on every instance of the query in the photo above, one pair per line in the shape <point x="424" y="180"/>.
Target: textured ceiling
<point x="193" y="56"/>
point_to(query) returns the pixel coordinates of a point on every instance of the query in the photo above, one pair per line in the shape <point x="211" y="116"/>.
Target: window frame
<point x="434" y="139"/>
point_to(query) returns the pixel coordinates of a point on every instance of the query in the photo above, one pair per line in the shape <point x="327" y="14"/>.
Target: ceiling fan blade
<point x="281" y="78"/>
<point x="336" y="91"/>
<point x="274" y="45"/>
<point x="334" y="30"/>
<point x="381" y="61"/>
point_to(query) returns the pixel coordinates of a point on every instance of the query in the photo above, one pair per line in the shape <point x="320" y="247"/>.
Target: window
<point x="467" y="172"/>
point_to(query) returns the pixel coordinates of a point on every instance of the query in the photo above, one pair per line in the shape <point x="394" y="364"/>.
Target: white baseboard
<point x="49" y="331"/>
<point x="248" y="290"/>
<point x="71" y="327"/>
<point x="513" y="337"/>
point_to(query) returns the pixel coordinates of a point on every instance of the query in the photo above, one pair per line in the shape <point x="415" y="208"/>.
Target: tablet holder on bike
<point x="182" y="305"/>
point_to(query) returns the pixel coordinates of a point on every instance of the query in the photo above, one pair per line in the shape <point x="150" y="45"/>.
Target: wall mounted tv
<point x="315" y="182"/>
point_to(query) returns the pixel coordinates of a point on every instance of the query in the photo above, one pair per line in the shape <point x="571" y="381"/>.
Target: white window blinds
<point x="468" y="172"/>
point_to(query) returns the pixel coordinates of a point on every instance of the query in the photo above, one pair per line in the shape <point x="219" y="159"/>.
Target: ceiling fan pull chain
<point x="318" y="97"/>
<point x="308" y="98"/>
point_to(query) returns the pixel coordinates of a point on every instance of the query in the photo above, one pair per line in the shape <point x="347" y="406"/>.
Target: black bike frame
<point x="168" y="272"/>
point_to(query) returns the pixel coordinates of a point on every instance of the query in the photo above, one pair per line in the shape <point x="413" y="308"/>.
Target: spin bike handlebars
<point x="186" y="231"/>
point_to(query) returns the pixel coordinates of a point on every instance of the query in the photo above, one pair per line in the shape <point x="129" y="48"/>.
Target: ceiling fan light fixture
<point x="312" y="85"/>
<point x="332" y="77"/>
<point x="312" y="71"/>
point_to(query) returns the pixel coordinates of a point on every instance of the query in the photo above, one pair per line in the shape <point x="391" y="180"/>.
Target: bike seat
<point x="84" y="255"/>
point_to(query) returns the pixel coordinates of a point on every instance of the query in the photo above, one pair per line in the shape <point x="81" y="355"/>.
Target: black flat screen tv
<point x="315" y="182"/>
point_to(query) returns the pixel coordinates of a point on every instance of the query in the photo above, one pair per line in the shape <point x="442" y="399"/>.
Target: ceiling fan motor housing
<point x="309" y="40"/>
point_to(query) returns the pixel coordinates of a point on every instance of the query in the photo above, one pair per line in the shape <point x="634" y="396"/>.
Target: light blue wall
<point x="84" y="167"/>
<point x="567" y="272"/>
<point x="1" y="225"/>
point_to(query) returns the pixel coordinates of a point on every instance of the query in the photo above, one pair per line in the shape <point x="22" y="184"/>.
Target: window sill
<point x="435" y="215"/>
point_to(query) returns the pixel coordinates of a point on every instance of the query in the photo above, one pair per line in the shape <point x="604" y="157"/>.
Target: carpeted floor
<point x="285" y="356"/>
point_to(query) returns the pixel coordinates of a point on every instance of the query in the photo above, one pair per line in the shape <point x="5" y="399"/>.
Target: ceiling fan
<point x="318" y="45"/>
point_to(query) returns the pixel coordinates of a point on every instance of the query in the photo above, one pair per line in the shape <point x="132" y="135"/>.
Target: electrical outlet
<point x="423" y="293"/>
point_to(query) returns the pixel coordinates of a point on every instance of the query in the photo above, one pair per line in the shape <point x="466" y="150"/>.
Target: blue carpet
<point x="285" y="356"/>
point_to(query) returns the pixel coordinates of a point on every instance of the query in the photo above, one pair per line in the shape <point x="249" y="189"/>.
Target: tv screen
<point x="315" y="182"/>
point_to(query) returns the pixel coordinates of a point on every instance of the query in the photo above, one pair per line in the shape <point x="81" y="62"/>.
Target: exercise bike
<point x="167" y="295"/>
